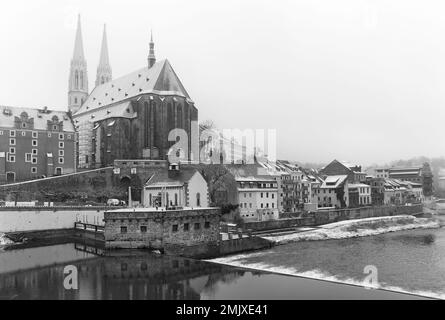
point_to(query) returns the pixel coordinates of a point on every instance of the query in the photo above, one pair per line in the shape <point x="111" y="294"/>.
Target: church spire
<point x="151" y="54"/>
<point x="104" y="73"/>
<point x="78" y="45"/>
<point x="78" y="80"/>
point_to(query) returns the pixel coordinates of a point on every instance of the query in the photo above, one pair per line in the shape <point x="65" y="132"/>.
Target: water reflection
<point x="123" y="275"/>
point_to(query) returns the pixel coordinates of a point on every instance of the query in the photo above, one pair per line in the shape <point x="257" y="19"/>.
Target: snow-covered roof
<point x="160" y="79"/>
<point x="334" y="181"/>
<point x="40" y="117"/>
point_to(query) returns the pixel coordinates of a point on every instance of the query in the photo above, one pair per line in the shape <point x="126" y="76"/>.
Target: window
<point x="144" y="229"/>
<point x="34" y="143"/>
<point x="23" y="133"/>
<point x="175" y="228"/>
<point x="61" y="153"/>
<point x="12" y="142"/>
<point x="123" y="229"/>
<point x="55" y="128"/>
<point x="12" y="133"/>
<point x="186" y="227"/>
<point x="11" y="158"/>
<point x="49" y="134"/>
<point x="34" y="135"/>
<point x="28" y="157"/>
<point x="61" y="144"/>
<point x="34" y="151"/>
<point x="33" y="170"/>
<point x="198" y="199"/>
<point x="69" y="136"/>
<point x="34" y="160"/>
<point x="61" y="160"/>
<point x="61" y="137"/>
<point x="12" y="150"/>
<point x="207" y="225"/>
<point x="1" y="132"/>
<point x="197" y="226"/>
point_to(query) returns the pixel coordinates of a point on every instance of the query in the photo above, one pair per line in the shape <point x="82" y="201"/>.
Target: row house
<point x="359" y="195"/>
<point x="333" y="192"/>
<point x="258" y="198"/>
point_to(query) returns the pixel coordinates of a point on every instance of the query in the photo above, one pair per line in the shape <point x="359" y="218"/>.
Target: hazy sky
<point x="356" y="80"/>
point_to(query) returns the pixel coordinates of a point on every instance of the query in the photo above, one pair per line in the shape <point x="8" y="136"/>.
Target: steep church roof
<point x="159" y="79"/>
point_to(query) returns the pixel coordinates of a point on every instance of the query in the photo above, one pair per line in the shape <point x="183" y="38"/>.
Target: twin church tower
<point x="78" y="79"/>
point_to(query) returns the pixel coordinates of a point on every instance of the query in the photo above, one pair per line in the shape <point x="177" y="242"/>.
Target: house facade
<point x="176" y="188"/>
<point x="35" y="143"/>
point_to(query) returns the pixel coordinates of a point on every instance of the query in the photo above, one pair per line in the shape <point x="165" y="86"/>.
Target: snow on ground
<point x="4" y="240"/>
<point x="357" y="228"/>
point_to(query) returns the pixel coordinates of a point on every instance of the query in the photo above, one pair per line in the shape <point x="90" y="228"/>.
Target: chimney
<point x="173" y="170"/>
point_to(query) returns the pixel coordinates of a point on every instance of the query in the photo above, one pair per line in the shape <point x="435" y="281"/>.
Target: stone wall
<point x="47" y="218"/>
<point x="278" y="224"/>
<point x="149" y="228"/>
<point x="330" y="216"/>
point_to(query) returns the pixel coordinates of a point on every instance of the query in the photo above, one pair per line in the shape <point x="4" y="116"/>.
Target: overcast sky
<point x="356" y="80"/>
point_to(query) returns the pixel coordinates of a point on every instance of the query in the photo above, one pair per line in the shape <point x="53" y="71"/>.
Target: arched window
<point x="76" y="80"/>
<point x="176" y="199"/>
<point x="75" y="100"/>
<point x="198" y="199"/>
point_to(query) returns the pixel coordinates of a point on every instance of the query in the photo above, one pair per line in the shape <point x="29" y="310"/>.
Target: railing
<point x="89" y="227"/>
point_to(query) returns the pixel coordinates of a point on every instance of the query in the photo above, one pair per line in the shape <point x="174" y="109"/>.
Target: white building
<point x="258" y="198"/>
<point x="176" y="187"/>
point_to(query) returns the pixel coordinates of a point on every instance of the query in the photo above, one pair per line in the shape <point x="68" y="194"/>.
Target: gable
<point x="336" y="168"/>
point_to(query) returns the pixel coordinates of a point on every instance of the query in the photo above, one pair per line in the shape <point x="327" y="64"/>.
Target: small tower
<point x="104" y="73"/>
<point x="78" y="80"/>
<point x="151" y="54"/>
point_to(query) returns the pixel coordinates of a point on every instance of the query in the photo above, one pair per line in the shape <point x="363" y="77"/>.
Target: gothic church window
<point x="81" y="80"/>
<point x="76" y="80"/>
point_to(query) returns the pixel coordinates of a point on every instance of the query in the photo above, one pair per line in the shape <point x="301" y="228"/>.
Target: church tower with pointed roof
<point x="151" y="53"/>
<point x="104" y="73"/>
<point x="78" y="79"/>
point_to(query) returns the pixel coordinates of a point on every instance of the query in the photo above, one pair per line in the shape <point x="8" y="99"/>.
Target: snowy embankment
<point x="358" y="228"/>
<point x="4" y="240"/>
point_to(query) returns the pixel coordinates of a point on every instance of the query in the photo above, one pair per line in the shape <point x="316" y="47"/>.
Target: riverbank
<point x="357" y="228"/>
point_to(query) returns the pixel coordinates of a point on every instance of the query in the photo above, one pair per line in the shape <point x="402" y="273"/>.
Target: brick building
<point x="35" y="143"/>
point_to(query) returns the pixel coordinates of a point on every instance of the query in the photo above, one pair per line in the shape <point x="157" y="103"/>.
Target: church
<point x="128" y="117"/>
